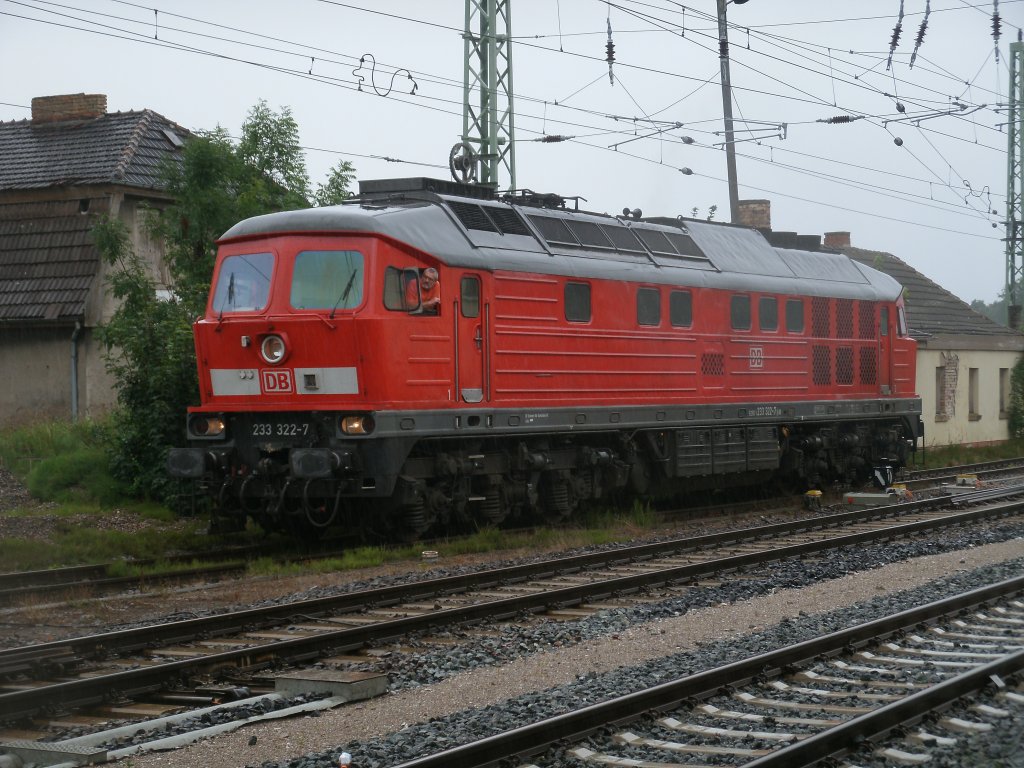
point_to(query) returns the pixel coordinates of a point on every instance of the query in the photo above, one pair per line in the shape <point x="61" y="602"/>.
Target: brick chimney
<point x="73" y="106"/>
<point x="755" y="213"/>
<point x="837" y="240"/>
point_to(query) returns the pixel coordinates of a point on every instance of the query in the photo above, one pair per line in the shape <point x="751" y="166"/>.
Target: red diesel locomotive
<point x="429" y="355"/>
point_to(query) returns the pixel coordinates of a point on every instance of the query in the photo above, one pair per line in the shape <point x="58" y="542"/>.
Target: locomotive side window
<point x="768" y="313"/>
<point x="680" y="309"/>
<point x="648" y="306"/>
<point x="884" y="324"/>
<point x="794" y="316"/>
<point x="327" y="280"/>
<point x="243" y="283"/>
<point x="395" y="282"/>
<point x="470" y="289"/>
<point x="577" y="302"/>
<point x="740" y="313"/>
<point x="901" y="322"/>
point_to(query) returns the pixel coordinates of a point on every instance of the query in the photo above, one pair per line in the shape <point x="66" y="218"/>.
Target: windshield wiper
<point x="229" y="299"/>
<point x="344" y="294"/>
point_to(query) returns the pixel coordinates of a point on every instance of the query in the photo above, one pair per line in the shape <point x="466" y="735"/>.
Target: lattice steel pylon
<point x="1015" y="185"/>
<point x="488" y="124"/>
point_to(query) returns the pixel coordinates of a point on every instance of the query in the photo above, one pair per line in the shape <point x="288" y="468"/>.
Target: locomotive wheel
<point x="557" y="499"/>
<point x="413" y="521"/>
<point x="494" y="508"/>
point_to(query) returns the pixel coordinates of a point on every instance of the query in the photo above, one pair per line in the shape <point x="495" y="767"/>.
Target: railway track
<point x="93" y="580"/>
<point x="862" y="690"/>
<point x="88" y="671"/>
<point x="80" y="582"/>
<point x="983" y="469"/>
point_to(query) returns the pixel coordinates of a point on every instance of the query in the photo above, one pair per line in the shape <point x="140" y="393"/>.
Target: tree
<point x="149" y="352"/>
<point x="149" y="349"/>
<point x="712" y="210"/>
<point x="337" y="187"/>
<point x="1016" y="405"/>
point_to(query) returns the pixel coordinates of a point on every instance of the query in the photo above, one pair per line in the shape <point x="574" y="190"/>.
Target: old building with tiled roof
<point x="61" y="170"/>
<point x="964" y="359"/>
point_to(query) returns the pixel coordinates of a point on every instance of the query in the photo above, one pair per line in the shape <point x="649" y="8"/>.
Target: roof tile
<point x="931" y="309"/>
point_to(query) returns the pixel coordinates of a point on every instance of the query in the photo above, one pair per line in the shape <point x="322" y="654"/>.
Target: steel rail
<point x="539" y="736"/>
<point x="965" y="469"/>
<point x="837" y="741"/>
<point x="80" y="692"/>
<point x="9" y="595"/>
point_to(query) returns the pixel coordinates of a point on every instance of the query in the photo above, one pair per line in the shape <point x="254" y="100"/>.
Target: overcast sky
<point x="921" y="172"/>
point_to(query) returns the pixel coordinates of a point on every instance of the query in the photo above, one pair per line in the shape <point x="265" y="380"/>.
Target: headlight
<point x="202" y="425"/>
<point x="273" y="349"/>
<point x="357" y="425"/>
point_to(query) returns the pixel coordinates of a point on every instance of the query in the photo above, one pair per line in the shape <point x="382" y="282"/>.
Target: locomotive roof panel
<point x="490" y="235"/>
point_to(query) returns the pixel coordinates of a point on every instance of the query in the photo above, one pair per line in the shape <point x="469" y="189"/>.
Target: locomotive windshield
<point x="243" y="284"/>
<point x="327" y="280"/>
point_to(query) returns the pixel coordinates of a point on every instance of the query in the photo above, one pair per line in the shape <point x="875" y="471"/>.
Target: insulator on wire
<point x="838" y="119"/>
<point x="920" y="32"/>
<point x="896" y="32"/>
<point x="996" y="26"/>
<point x="609" y="55"/>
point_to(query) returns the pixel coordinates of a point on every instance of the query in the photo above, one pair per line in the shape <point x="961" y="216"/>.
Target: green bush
<point x="1016" y="406"/>
<point x="24" y="449"/>
<point x="77" y="475"/>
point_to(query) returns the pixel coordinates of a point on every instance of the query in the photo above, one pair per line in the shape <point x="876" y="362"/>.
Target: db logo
<point x="276" y="381"/>
<point x="756" y="357"/>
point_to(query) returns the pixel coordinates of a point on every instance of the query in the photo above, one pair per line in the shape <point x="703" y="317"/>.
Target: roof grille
<point x="507" y="221"/>
<point x="669" y="243"/>
<point x="554" y="230"/>
<point x="684" y="245"/>
<point x="655" y="240"/>
<point x="622" y="238"/>
<point x="589" y="234"/>
<point x="472" y="216"/>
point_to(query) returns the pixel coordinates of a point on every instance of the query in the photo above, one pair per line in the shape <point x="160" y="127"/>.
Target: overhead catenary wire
<point x="435" y="104"/>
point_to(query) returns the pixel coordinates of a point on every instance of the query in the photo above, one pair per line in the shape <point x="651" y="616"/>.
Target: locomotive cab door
<point x="884" y="352"/>
<point x="471" y="340"/>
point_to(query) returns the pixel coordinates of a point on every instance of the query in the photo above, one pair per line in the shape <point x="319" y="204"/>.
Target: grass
<point x="62" y="462"/>
<point x="596" y="528"/>
<point x="66" y="465"/>
<point x="953" y="455"/>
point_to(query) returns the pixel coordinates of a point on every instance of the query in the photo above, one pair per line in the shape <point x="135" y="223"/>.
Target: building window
<point x="680" y="309"/>
<point x="973" y="413"/>
<point x="940" y="394"/>
<point x="740" y="313"/>
<point x="768" y="313"/>
<point x="648" y="306"/>
<point x="577" y="302"/>
<point x="1004" y="393"/>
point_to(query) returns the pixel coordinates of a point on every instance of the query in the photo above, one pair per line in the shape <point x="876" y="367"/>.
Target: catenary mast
<point x="1015" y="184"/>
<point x="487" y="144"/>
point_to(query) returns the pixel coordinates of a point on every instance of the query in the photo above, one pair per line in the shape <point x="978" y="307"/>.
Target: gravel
<point x="486" y="682"/>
